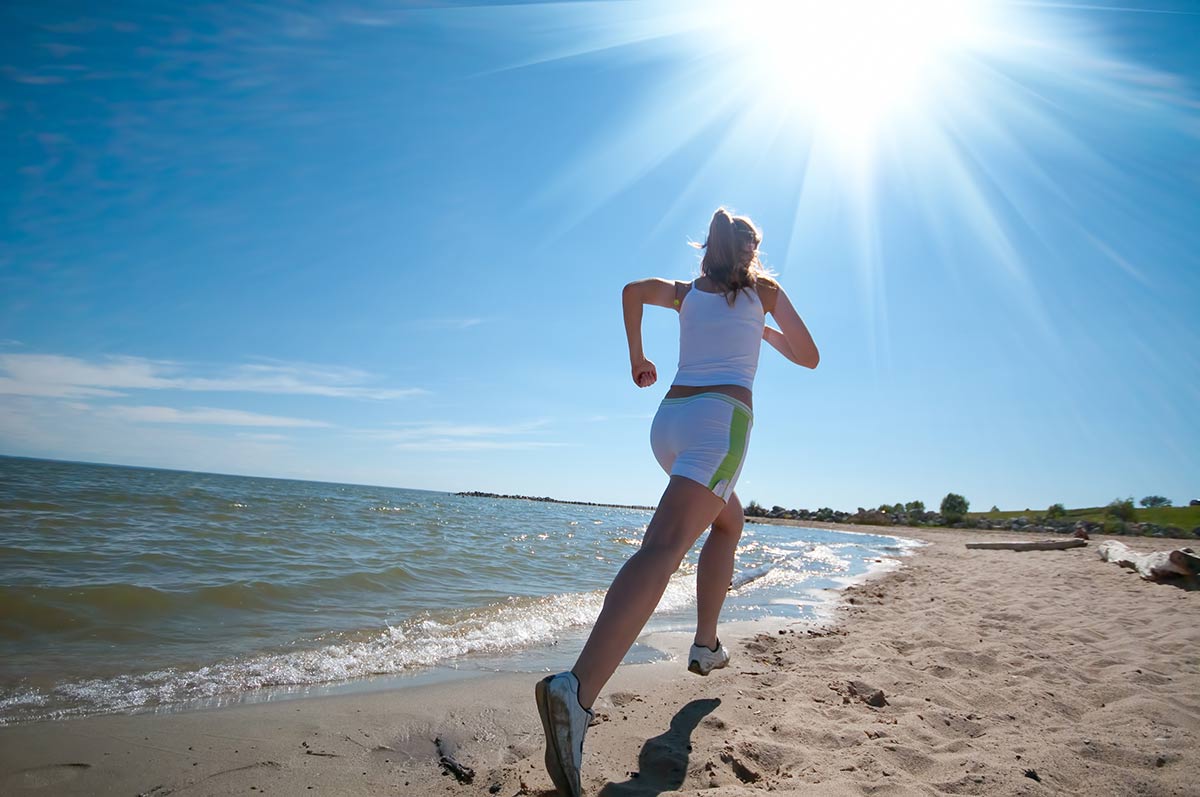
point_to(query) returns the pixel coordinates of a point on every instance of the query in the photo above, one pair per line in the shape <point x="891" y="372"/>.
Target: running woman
<point x="699" y="437"/>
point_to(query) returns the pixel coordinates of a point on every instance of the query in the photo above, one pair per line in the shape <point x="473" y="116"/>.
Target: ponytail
<point x="725" y="260"/>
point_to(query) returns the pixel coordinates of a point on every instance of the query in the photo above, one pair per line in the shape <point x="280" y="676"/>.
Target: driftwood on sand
<point x="1030" y="545"/>
<point x="1151" y="566"/>
<point x="461" y="772"/>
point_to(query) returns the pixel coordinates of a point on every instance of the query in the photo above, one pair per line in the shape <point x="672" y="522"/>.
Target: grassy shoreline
<point x="1182" y="516"/>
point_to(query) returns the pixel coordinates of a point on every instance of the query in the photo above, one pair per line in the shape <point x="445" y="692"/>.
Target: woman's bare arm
<point x="792" y="339"/>
<point x="778" y="342"/>
<point x="654" y="291"/>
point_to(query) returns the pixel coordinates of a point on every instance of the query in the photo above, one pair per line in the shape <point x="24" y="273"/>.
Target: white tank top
<point x="719" y="343"/>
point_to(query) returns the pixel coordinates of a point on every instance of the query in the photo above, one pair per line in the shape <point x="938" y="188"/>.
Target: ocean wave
<point x="789" y="568"/>
<point x="192" y="586"/>
<point x="34" y="610"/>
<point x="422" y="642"/>
<point x="24" y="505"/>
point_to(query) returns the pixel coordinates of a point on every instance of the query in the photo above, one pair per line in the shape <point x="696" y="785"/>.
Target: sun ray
<point x="1094" y="7"/>
<point x="996" y="118"/>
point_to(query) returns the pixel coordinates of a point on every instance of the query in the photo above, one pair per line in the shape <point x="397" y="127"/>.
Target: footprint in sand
<point x="47" y="775"/>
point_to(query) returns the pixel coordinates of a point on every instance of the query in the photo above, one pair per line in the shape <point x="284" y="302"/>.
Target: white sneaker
<point x="702" y="660"/>
<point x="565" y="723"/>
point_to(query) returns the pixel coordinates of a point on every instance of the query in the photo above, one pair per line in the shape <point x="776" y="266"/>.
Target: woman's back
<point x="719" y="342"/>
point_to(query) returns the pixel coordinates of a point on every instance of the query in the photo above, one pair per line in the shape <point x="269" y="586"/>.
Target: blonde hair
<point x="725" y="261"/>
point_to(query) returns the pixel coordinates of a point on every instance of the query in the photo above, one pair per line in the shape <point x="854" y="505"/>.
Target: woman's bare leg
<point x="684" y="512"/>
<point x="715" y="571"/>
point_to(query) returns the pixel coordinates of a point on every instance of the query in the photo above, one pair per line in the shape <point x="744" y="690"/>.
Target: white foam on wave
<point x="511" y="625"/>
<point x="20" y="699"/>
<point x="788" y="568"/>
<point x="508" y="626"/>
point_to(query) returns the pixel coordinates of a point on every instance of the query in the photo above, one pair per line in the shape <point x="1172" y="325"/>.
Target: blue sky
<point x="384" y="243"/>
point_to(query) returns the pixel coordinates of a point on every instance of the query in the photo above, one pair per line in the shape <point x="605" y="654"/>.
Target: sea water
<point x="130" y="589"/>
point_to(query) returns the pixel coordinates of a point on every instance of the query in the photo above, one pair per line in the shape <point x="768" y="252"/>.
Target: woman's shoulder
<point x="767" y="289"/>
<point x="682" y="288"/>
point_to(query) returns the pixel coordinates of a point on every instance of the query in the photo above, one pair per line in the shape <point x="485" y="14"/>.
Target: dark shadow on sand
<point x="663" y="761"/>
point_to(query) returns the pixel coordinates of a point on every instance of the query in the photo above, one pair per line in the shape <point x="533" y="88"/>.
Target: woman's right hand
<point x="644" y="373"/>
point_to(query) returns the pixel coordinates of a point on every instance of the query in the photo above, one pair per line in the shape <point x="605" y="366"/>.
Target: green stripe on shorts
<point x="739" y="427"/>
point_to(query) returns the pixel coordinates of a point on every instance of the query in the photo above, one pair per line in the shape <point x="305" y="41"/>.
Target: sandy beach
<point x="1002" y="673"/>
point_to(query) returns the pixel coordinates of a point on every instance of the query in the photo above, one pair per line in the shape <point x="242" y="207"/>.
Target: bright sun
<point x="847" y="65"/>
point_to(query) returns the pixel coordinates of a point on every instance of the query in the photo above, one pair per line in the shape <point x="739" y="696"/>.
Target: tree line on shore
<point x="952" y="510"/>
<point x="1118" y="517"/>
<point x="545" y="499"/>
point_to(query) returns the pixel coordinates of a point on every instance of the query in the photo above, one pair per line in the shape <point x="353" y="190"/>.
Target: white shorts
<point x="703" y="438"/>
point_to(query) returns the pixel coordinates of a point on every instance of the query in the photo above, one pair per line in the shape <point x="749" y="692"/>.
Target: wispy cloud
<point x="263" y="437"/>
<point x="52" y="375"/>
<point x="300" y="379"/>
<point x="449" y="323"/>
<point x="460" y="444"/>
<point x="446" y="429"/>
<point x="69" y="430"/>
<point x="30" y="78"/>
<point x="636" y="416"/>
<point x="60" y="50"/>
<point x="444" y="436"/>
<point x="207" y="416"/>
